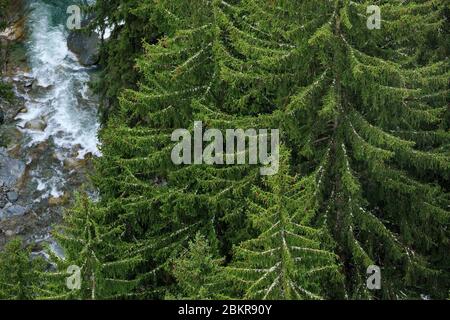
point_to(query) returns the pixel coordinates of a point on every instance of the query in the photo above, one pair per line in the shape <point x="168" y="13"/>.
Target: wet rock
<point x="14" y="150"/>
<point x="10" y="137"/>
<point x="12" y="196"/>
<point x="85" y="46"/>
<point x="33" y="87"/>
<point x="12" y="211"/>
<point x="12" y="231"/>
<point x="58" y="201"/>
<point x="28" y="83"/>
<point x="73" y="163"/>
<point x="9" y="233"/>
<point x="53" y="201"/>
<point x="75" y="149"/>
<point x="20" y="229"/>
<point x="7" y="34"/>
<point x="36" y="125"/>
<point x="11" y="170"/>
<point x="15" y="32"/>
<point x="40" y="148"/>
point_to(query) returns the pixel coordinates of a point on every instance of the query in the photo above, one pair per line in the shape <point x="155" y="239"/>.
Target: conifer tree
<point x="159" y="209"/>
<point x="288" y="259"/>
<point x="91" y="244"/>
<point x="355" y="114"/>
<point x="19" y="272"/>
<point x="364" y="114"/>
<point x="128" y="23"/>
<point x="197" y="273"/>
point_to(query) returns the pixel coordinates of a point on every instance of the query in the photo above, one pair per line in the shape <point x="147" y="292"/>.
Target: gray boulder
<point x="85" y="46"/>
<point x="36" y="125"/>
<point x="12" y="211"/>
<point x="12" y="196"/>
<point x="11" y="170"/>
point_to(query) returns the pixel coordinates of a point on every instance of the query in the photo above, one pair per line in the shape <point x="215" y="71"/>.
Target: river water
<point x="64" y="102"/>
<point x="56" y="94"/>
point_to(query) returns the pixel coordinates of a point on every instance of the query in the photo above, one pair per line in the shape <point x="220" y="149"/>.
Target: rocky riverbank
<point x="47" y="131"/>
<point x="12" y="170"/>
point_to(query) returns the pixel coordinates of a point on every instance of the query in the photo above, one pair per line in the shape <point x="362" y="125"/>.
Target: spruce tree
<point x="197" y="272"/>
<point x="19" y="272"/>
<point x="129" y="24"/>
<point x="356" y="110"/>
<point x="90" y="244"/>
<point x="160" y="211"/>
<point x="364" y="114"/>
<point x="288" y="259"/>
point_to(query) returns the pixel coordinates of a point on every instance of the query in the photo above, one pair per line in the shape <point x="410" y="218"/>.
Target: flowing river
<point x="57" y="128"/>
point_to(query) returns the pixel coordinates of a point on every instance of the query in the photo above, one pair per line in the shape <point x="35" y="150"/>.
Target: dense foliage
<point x="19" y="275"/>
<point x="365" y="152"/>
<point x="130" y="23"/>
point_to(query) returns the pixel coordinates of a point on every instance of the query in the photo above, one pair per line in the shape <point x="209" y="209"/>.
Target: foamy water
<point x="70" y="120"/>
<point x="61" y="99"/>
